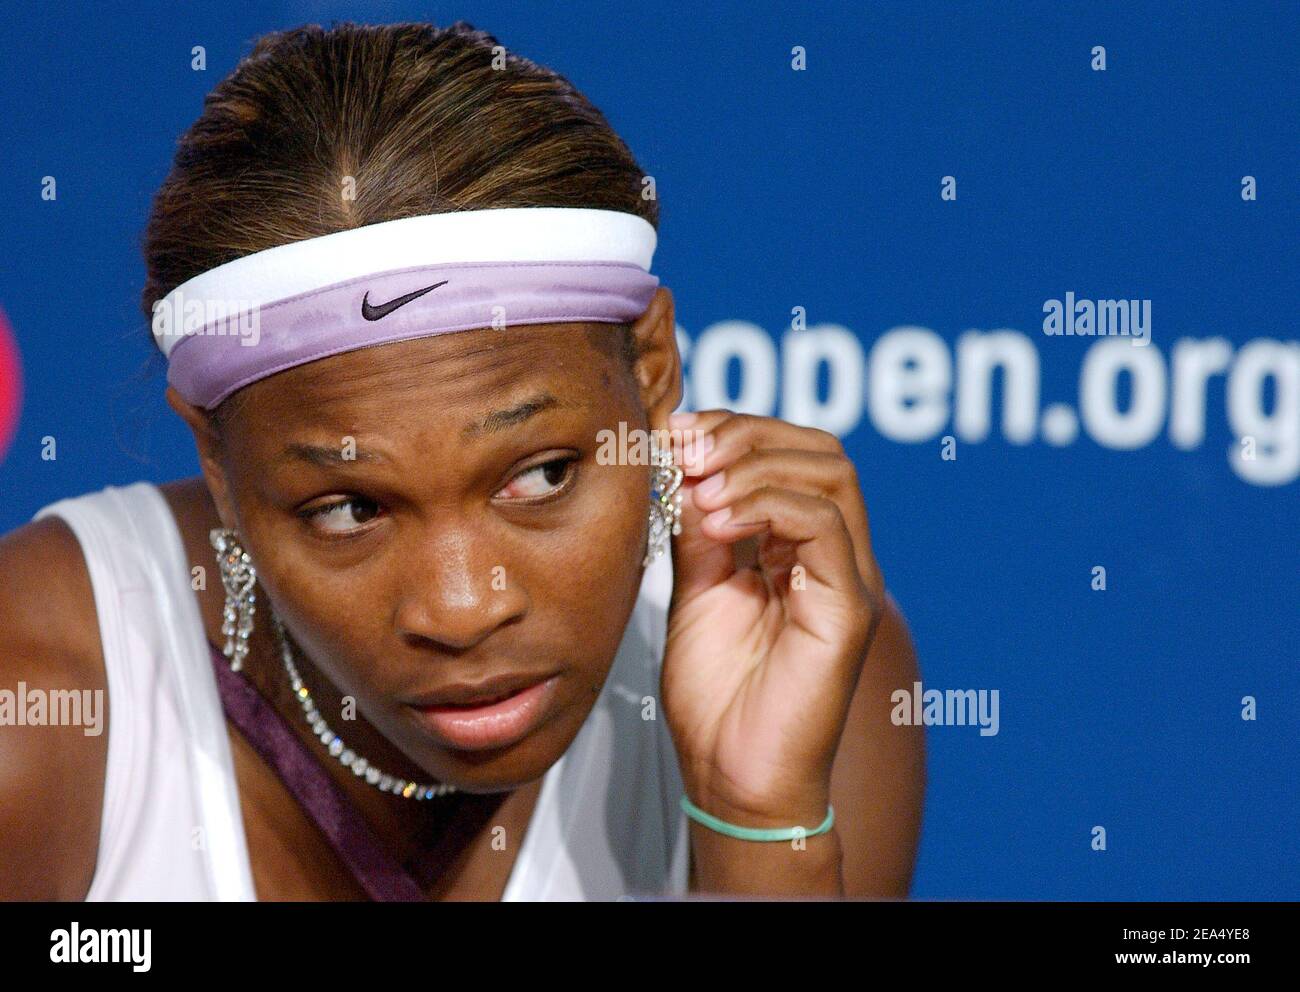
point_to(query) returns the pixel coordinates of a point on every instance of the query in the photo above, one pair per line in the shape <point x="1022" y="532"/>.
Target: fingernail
<point x="719" y="517"/>
<point x="713" y="484"/>
<point x="693" y="451"/>
<point x="682" y="419"/>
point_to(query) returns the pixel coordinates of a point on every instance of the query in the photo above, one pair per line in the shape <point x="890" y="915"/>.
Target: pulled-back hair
<point x="320" y="130"/>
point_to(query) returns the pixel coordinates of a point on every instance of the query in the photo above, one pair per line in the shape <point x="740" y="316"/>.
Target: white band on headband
<point x="397" y="280"/>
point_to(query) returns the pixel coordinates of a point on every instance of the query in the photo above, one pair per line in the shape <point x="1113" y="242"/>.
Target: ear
<point x="658" y="365"/>
<point x="211" y="456"/>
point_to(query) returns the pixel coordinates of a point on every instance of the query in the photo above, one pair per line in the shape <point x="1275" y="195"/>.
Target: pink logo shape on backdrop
<point x="11" y="385"/>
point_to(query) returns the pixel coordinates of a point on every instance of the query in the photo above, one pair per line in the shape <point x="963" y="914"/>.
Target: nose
<point x="456" y="590"/>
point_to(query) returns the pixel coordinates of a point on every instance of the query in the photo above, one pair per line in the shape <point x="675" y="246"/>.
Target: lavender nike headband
<point x="397" y="280"/>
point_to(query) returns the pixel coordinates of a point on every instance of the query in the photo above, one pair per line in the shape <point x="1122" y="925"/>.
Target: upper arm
<point x="878" y="777"/>
<point x="51" y="776"/>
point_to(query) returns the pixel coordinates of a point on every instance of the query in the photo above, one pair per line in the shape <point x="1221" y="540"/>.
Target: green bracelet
<point x="753" y="833"/>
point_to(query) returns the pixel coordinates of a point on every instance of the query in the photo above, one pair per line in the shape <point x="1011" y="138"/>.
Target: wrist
<point x="806" y="867"/>
<point x="766" y="834"/>
<point x="807" y="810"/>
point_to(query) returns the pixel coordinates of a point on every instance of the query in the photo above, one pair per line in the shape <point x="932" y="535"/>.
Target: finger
<point x="833" y="598"/>
<point x="690" y="436"/>
<point x="816" y="473"/>
<point x="717" y="437"/>
<point x="699" y="561"/>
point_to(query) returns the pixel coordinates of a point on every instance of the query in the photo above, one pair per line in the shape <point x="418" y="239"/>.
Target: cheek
<point x="613" y="538"/>
<point x="594" y="577"/>
<point x="321" y="607"/>
<point x="332" y="634"/>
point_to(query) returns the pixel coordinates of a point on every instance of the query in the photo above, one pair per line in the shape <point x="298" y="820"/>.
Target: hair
<point x="417" y="119"/>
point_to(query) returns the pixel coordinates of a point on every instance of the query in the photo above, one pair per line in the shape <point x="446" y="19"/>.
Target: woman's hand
<point x="762" y="656"/>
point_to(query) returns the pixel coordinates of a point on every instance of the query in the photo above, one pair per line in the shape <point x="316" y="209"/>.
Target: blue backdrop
<point x="933" y="174"/>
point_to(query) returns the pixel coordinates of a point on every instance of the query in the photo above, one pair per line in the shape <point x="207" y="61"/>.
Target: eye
<point x="545" y="479"/>
<point x="341" y="516"/>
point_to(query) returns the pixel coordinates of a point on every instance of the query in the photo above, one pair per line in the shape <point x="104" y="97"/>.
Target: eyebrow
<point x="324" y="455"/>
<point x="498" y="420"/>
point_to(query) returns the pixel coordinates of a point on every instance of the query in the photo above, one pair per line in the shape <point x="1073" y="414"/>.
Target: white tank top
<point x="607" y="822"/>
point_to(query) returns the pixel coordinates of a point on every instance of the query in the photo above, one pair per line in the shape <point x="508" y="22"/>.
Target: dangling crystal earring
<point x="665" y="500"/>
<point x="238" y="576"/>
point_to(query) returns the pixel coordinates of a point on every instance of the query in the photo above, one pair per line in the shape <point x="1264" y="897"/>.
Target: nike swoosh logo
<point x="383" y="310"/>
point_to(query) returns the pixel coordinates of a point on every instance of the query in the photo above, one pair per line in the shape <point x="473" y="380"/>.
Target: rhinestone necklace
<point x="334" y="743"/>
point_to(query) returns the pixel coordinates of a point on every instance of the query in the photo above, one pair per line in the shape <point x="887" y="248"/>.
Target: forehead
<point x="447" y="375"/>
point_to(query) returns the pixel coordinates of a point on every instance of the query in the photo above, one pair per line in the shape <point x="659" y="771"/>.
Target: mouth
<point x="493" y="714"/>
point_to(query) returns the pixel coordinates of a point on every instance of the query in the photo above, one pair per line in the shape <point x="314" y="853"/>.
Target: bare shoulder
<point x="878" y="778"/>
<point x="51" y="776"/>
<point x="45" y="594"/>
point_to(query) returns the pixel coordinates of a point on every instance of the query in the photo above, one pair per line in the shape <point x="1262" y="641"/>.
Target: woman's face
<point x="431" y="513"/>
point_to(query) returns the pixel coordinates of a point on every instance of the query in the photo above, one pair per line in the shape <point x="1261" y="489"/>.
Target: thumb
<point x="699" y="562"/>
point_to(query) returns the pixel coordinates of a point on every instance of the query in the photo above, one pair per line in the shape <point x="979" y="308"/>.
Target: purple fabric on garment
<point x="227" y="353"/>
<point x="356" y="844"/>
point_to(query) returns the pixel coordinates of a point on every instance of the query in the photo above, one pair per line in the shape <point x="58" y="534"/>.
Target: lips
<point x="479" y="693"/>
<point x="485" y="717"/>
<point x="469" y="706"/>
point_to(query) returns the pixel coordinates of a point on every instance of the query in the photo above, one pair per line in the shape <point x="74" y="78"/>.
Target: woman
<point x="401" y="281"/>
